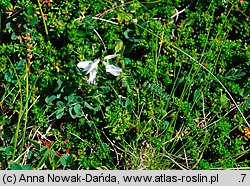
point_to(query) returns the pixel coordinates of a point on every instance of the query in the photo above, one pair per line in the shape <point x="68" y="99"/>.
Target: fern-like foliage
<point x="156" y="89"/>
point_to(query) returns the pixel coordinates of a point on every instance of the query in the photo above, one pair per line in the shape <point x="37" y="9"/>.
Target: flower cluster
<point x="91" y="67"/>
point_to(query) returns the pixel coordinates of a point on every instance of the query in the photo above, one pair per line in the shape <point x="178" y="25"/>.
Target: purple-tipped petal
<point x="115" y="71"/>
<point x="85" y="65"/>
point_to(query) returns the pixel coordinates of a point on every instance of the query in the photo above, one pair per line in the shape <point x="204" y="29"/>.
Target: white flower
<point x="111" y="56"/>
<point x="85" y="65"/>
<point x="92" y="76"/>
<point x="91" y="68"/>
<point x="115" y="71"/>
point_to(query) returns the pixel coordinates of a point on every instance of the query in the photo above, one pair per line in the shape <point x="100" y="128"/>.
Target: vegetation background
<point x="181" y="102"/>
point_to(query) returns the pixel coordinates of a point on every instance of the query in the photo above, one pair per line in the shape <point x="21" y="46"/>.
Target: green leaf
<point x="118" y="46"/>
<point x="137" y="40"/>
<point x="14" y="36"/>
<point x="31" y="10"/>
<point x="59" y="112"/>
<point x="234" y="74"/>
<point x="127" y="103"/>
<point x="33" y="21"/>
<point x="43" y="150"/>
<point x="90" y="123"/>
<point x="8" y="75"/>
<point x="6" y="5"/>
<point x="124" y="17"/>
<point x="8" y="150"/>
<point x="35" y="143"/>
<point x="196" y="95"/>
<point x="248" y="99"/>
<point x="127" y="61"/>
<point x="187" y="22"/>
<point x="223" y="99"/>
<point x="66" y="160"/>
<point x="129" y="34"/>
<point x="15" y="166"/>
<point x="72" y="112"/>
<point x="91" y="107"/>
<point x="104" y="89"/>
<point x="77" y="109"/>
<point x="21" y="64"/>
<point x="26" y="167"/>
<point x="59" y="84"/>
<point x="2" y="149"/>
<point x="60" y="104"/>
<point x="71" y="99"/>
<point x="8" y="26"/>
<point x="165" y="123"/>
<point x="143" y="24"/>
<point x="55" y="160"/>
<point x="50" y="99"/>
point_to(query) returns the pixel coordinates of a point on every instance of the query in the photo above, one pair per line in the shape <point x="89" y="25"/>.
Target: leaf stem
<point x="44" y="22"/>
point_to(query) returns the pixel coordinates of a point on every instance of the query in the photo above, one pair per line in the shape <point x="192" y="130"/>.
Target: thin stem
<point x="112" y="22"/>
<point x="204" y="69"/>
<point x="0" y="27"/>
<point x="20" y="111"/>
<point x="100" y="39"/>
<point x="216" y="80"/>
<point x="44" y="22"/>
<point x="26" y="105"/>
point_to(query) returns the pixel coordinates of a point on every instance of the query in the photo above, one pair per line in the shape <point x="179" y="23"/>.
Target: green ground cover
<point x="182" y="100"/>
